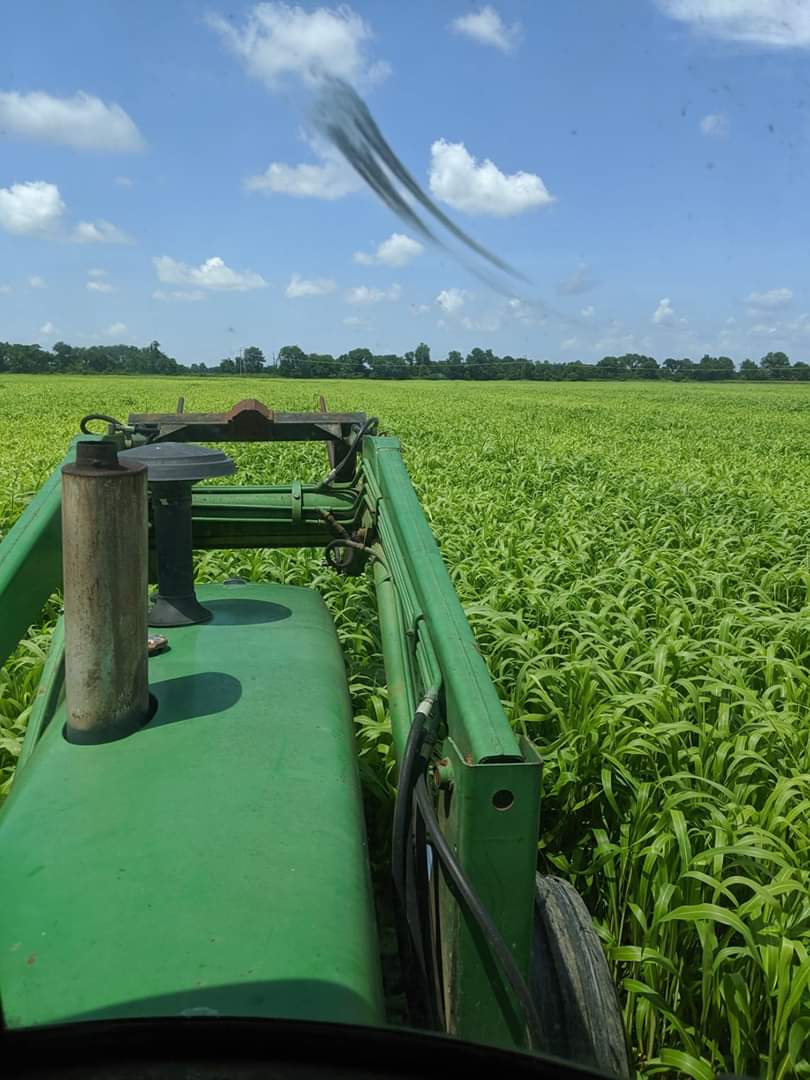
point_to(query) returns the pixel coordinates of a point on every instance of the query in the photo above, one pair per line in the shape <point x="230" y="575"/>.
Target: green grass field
<point x="634" y="561"/>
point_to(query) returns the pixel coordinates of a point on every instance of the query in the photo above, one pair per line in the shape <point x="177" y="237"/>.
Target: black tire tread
<point x="571" y="982"/>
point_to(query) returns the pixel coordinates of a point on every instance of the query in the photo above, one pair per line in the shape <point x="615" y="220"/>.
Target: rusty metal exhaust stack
<point x="104" y="554"/>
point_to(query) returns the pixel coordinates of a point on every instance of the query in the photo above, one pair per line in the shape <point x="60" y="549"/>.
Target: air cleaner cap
<point x="178" y="461"/>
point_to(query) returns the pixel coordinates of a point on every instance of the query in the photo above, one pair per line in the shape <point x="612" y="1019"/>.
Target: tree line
<point x="477" y="365"/>
<point x="483" y="364"/>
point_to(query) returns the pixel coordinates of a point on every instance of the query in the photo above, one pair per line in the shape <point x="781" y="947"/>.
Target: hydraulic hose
<point x="370" y="422"/>
<point x="465" y="891"/>
<point x="412" y="789"/>
<point x="408" y="775"/>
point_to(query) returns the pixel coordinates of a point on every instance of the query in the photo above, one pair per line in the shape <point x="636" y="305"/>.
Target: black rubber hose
<point x="476" y="908"/>
<point x="402" y="804"/>
<point x="408" y="876"/>
<point x="370" y="422"/>
<point x="85" y="420"/>
<point x="340" y="564"/>
<point x="408" y="776"/>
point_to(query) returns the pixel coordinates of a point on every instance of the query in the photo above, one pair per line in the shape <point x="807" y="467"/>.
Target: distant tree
<point x="776" y="365"/>
<point x="356" y="362"/>
<point x="749" y="369"/>
<point x="686" y="368"/>
<point x="387" y="366"/>
<point x="422" y="353"/>
<point x="647" y="367"/>
<point x="670" y="366"/>
<point x="289" y="359"/>
<point x="610" y="367"/>
<point x="100" y="360"/>
<point x="63" y="357"/>
<point x="476" y="356"/>
<point x="712" y="368"/>
<point x="252" y="360"/>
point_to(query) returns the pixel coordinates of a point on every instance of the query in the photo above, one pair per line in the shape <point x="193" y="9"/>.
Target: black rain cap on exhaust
<point x="171" y="469"/>
<point x="172" y="461"/>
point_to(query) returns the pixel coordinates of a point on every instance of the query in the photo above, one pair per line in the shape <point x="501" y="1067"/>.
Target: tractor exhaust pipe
<point x="104" y="555"/>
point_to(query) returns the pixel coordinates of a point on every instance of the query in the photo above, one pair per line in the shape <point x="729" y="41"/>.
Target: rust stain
<point x="32" y="959"/>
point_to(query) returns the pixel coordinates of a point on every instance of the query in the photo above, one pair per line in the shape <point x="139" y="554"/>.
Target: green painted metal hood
<point x="212" y="863"/>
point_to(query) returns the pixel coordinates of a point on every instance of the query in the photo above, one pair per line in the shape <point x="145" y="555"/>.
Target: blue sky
<point x="151" y="182"/>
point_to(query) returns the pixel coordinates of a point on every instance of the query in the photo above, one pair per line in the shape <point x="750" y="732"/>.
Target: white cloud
<point x="82" y="121"/>
<point x="569" y="343"/>
<point x="581" y="281"/>
<point x="37" y="282"/>
<point x="116" y="329"/>
<point x="5" y="290"/>
<point x="124" y="181"/>
<point x="519" y="310"/>
<point x="47" y="329"/>
<point x="299" y="287"/>
<point x="664" y="313"/>
<point x="277" y="40"/>
<point x="616" y="341"/>
<point x="715" y="124"/>
<point x="178" y="294"/>
<point x="100" y="286"/>
<point x="773" y="23"/>
<point x="587" y="312"/>
<point x="487" y="324"/>
<point x="354" y="320"/>
<point x="451" y="300"/>
<point x="212" y="274"/>
<point x="32" y="208"/>
<point x="332" y="178"/>
<point x="794" y="332"/>
<point x="460" y="181"/>
<point x="773" y="298"/>
<point x="99" y="232"/>
<point x="35" y="208"/>
<point x="96" y="272"/>
<point x="397" y="250"/>
<point x="487" y="28"/>
<point x="362" y="294"/>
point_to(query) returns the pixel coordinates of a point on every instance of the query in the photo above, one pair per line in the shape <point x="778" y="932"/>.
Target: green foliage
<point x="635" y="563"/>
<point x="92" y="360"/>
<point x="361" y="363"/>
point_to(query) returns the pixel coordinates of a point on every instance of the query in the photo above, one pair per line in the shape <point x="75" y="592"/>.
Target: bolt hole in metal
<point x="503" y="800"/>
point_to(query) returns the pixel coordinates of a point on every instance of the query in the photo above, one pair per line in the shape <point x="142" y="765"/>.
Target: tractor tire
<point x="571" y="983"/>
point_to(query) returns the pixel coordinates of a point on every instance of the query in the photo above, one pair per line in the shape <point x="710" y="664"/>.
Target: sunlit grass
<point x="634" y="561"/>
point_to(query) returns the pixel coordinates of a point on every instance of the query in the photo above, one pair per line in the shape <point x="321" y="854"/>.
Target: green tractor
<point x="184" y="874"/>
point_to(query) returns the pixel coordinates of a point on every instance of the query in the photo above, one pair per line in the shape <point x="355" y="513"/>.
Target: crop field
<point x="635" y="563"/>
